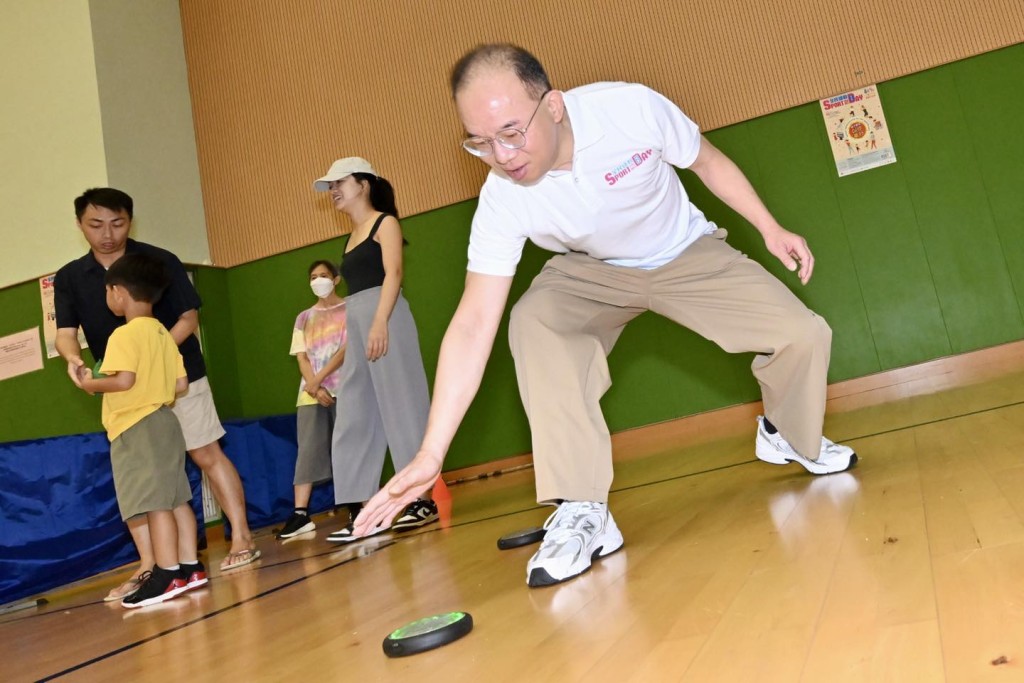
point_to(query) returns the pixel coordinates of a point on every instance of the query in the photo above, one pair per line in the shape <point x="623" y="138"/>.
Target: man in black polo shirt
<point x="104" y="216"/>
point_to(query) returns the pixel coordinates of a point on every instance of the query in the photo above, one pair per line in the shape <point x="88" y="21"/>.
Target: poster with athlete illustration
<point x="857" y="130"/>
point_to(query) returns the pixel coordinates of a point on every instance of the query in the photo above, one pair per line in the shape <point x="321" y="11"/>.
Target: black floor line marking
<point x="847" y="440"/>
<point x="222" y="610"/>
<point x="937" y="421"/>
<point x="437" y="529"/>
<point x="281" y="563"/>
<point x="680" y="476"/>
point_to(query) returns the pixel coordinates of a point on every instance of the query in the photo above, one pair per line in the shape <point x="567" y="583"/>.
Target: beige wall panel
<point x="51" y="134"/>
<point x="147" y="122"/>
<point x="281" y="89"/>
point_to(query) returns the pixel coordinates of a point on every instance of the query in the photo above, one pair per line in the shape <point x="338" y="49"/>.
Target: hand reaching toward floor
<point x="409" y="484"/>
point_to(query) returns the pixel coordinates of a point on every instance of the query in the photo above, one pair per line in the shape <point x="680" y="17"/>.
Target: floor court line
<point x="217" y="612"/>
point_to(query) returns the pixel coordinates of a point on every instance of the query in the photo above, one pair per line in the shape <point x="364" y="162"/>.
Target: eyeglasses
<point x="509" y="138"/>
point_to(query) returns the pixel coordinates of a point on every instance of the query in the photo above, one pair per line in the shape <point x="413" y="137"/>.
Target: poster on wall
<point x="50" y="318"/>
<point x="20" y="353"/>
<point x="857" y="131"/>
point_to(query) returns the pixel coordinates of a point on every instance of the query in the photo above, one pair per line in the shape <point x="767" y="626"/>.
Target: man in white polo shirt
<point x="589" y="173"/>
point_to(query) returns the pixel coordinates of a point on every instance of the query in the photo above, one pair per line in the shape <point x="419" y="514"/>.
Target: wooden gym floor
<point x="908" y="568"/>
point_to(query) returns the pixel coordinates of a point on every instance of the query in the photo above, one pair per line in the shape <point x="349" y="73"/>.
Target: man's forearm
<point x="727" y="182"/>
<point x="460" y="368"/>
<point x="186" y="326"/>
<point x="68" y="346"/>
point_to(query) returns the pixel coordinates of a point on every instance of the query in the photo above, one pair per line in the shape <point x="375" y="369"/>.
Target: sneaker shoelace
<point x="564" y="521"/>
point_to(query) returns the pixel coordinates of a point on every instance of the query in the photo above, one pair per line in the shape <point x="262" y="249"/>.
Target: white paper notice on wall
<point x="20" y="353"/>
<point x="857" y="130"/>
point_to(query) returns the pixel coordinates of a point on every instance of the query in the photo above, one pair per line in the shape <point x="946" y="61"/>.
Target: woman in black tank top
<point x="383" y="398"/>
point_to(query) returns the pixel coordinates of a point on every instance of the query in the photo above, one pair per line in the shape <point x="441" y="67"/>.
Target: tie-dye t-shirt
<point x="319" y="332"/>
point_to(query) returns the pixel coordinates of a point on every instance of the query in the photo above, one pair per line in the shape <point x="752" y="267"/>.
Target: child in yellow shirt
<point x="140" y="376"/>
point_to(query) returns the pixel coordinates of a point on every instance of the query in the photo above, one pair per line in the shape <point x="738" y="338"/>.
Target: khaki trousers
<point x="565" y="325"/>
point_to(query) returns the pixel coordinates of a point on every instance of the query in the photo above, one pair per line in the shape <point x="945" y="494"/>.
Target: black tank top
<point x="362" y="267"/>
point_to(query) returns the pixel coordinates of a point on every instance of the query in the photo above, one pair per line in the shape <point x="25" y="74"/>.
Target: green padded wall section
<point x="217" y="334"/>
<point x="991" y="86"/>
<point x="45" y="402"/>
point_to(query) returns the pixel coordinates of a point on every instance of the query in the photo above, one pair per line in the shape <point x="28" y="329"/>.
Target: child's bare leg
<point x="164" y="531"/>
<point x="185" y="519"/>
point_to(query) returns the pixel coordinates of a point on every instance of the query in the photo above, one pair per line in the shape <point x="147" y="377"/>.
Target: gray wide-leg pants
<point x="380" y="404"/>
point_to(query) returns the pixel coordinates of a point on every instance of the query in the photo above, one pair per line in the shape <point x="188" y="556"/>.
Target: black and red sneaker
<point x="194" y="575"/>
<point x="157" y="586"/>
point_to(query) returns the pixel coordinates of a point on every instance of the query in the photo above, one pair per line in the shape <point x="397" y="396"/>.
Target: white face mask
<point x="322" y="286"/>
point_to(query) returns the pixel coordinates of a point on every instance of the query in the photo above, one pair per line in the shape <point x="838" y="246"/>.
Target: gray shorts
<point x="314" y="425"/>
<point x="148" y="460"/>
<point x="198" y="415"/>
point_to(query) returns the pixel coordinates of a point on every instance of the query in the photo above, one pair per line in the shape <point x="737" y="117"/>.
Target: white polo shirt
<point x="622" y="202"/>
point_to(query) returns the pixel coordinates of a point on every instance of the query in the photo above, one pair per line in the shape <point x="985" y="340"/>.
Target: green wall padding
<point x="991" y="86"/>
<point x="952" y="208"/>
<point x="914" y="261"/>
<point x="45" y="402"/>
<point x="216" y="332"/>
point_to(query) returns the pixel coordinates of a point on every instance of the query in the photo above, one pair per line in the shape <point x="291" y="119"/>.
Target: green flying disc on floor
<point x="428" y="633"/>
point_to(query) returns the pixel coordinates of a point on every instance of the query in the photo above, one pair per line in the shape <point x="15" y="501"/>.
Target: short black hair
<point x="331" y="267"/>
<point x="144" y="276"/>
<point x="525" y="66"/>
<point x="108" y="198"/>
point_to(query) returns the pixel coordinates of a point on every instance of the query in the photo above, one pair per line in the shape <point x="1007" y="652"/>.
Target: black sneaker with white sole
<point x="344" y="534"/>
<point x="296" y="524"/>
<point x="157" y="586"/>
<point x="419" y="513"/>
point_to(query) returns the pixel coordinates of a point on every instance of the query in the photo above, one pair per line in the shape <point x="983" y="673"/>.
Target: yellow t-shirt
<point x="145" y="347"/>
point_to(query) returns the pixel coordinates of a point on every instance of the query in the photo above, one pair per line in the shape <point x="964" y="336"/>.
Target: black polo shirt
<point x="80" y="298"/>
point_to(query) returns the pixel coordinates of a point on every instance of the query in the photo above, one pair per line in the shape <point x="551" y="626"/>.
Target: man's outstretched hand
<point x="405" y="487"/>
<point x="793" y="251"/>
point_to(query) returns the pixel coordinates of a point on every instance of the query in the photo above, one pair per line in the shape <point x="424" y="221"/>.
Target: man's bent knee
<point x="808" y="332"/>
<point x="527" y="314"/>
<point x="207" y="456"/>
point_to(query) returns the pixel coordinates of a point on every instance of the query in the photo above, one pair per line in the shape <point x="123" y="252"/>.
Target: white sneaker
<point x="832" y="458"/>
<point x="578" y="533"/>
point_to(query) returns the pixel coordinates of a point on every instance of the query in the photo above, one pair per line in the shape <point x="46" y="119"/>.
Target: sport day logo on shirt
<point x="626" y="167"/>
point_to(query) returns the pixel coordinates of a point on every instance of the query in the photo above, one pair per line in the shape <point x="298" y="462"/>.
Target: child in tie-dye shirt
<point x="318" y="342"/>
